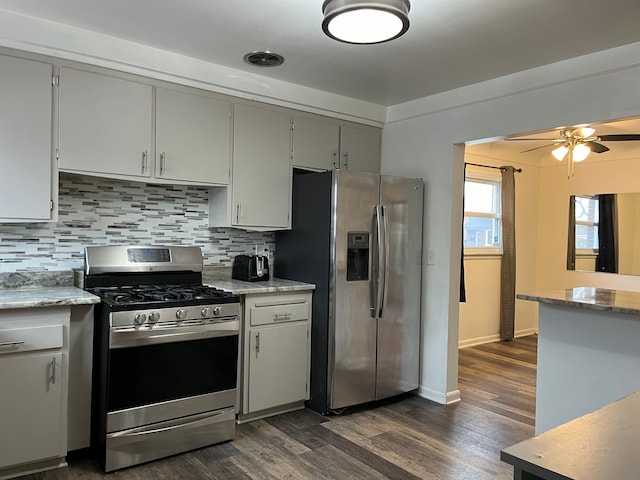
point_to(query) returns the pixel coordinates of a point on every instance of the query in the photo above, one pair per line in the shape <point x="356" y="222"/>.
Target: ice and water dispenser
<point x="357" y="256"/>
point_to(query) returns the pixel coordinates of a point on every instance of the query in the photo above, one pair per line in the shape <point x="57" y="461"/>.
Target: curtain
<point x="571" y="239"/>
<point x="463" y="291"/>
<point x="607" y="260"/>
<point x="508" y="264"/>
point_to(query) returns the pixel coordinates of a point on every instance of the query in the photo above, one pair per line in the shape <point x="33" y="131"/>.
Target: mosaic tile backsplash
<point x="99" y="211"/>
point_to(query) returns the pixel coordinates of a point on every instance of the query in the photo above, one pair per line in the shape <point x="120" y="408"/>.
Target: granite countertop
<point x="589" y="298"/>
<point x="272" y="285"/>
<point x="600" y="446"/>
<point x="28" y="297"/>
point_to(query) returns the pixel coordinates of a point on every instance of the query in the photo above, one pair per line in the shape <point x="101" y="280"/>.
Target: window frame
<point x="585" y="252"/>
<point x="496" y="182"/>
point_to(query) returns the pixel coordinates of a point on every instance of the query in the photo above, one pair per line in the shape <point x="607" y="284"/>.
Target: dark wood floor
<point x="411" y="438"/>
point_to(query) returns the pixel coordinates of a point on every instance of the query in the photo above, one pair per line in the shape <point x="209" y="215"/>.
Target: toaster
<point x="250" y="268"/>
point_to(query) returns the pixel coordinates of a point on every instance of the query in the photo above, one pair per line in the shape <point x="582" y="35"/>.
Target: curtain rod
<point x="519" y="170"/>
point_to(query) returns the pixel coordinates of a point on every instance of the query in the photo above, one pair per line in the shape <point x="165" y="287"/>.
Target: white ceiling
<point x="450" y="43"/>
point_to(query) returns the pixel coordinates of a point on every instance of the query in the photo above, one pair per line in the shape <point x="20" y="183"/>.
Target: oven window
<point x="149" y="374"/>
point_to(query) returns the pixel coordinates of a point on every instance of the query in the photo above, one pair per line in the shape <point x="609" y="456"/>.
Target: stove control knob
<point x="139" y="318"/>
<point x="216" y="311"/>
<point x="181" y="314"/>
<point x="154" y="317"/>
<point x="206" y="311"/>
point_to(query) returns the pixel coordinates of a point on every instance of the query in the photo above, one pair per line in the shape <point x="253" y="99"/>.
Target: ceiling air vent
<point x="264" y="59"/>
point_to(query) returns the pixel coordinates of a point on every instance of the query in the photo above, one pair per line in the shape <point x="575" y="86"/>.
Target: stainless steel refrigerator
<point x="358" y="237"/>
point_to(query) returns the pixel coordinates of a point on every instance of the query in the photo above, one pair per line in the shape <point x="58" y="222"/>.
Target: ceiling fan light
<point x="580" y="152"/>
<point x="362" y="22"/>
<point x="560" y="152"/>
<point x="585" y="131"/>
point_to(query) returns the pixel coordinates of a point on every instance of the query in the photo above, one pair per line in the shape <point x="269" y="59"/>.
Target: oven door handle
<point x="130" y="336"/>
<point x="179" y="423"/>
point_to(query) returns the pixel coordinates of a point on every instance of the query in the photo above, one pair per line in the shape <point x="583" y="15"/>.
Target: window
<point x="587" y="218"/>
<point x="482" y="214"/>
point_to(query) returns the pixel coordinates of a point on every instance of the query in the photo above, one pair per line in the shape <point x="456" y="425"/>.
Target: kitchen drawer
<point x="278" y="311"/>
<point x="16" y="340"/>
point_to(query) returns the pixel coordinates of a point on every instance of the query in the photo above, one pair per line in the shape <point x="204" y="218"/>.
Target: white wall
<point x="479" y="320"/>
<point x="420" y="138"/>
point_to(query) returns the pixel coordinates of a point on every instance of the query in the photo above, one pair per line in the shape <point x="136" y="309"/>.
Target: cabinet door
<point x="360" y="149"/>
<point x="25" y="139"/>
<point x="261" y="168"/>
<point x="193" y="137"/>
<point x="105" y="124"/>
<point x="278" y="357"/>
<point x="315" y="143"/>
<point x="31" y="388"/>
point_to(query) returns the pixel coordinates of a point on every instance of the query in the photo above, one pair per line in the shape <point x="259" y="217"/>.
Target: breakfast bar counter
<point x="588" y="353"/>
<point x="601" y="445"/>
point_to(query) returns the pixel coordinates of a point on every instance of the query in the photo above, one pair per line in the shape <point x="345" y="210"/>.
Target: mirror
<point x="604" y="233"/>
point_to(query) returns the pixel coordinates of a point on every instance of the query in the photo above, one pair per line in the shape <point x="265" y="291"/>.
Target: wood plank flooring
<point x="405" y="439"/>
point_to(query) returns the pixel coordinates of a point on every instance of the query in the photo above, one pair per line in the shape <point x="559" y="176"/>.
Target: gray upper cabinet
<point x="315" y="143"/>
<point x="25" y="141"/>
<point x="193" y="137"/>
<point x="360" y="148"/>
<point x="324" y="143"/>
<point x="104" y="124"/>
<point x="259" y="197"/>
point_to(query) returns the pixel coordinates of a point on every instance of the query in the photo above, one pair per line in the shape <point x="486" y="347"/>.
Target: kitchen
<point x="417" y="142"/>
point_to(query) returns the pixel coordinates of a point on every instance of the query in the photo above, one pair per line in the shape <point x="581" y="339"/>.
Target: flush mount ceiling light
<point x="362" y="22"/>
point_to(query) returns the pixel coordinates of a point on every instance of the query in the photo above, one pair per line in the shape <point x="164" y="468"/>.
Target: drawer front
<point x="16" y="340"/>
<point x="264" y="313"/>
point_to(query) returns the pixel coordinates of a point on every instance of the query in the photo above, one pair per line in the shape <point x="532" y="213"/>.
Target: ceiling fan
<point x="577" y="143"/>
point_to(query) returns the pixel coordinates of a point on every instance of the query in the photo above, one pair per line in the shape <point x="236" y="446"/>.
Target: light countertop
<point x="45" y="297"/>
<point x="273" y="285"/>
<point x="589" y="298"/>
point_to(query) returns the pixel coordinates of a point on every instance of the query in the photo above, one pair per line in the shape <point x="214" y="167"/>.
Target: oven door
<point x="166" y="373"/>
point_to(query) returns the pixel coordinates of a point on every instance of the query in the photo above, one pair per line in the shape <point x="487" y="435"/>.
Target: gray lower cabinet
<point x="276" y="353"/>
<point x="33" y="393"/>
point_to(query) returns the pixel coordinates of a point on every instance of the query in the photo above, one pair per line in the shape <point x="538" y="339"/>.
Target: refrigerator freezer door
<point x="399" y="324"/>
<point x="352" y="333"/>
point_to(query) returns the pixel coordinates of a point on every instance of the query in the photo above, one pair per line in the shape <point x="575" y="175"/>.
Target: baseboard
<point x="478" y="341"/>
<point x="526" y="332"/>
<point x="494" y="338"/>
<point x="439" y="397"/>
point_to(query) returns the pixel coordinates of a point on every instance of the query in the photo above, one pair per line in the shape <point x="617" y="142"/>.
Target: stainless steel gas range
<point x="165" y="354"/>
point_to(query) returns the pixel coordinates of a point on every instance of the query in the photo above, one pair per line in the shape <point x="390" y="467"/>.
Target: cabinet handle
<point x="281" y="316"/>
<point x="144" y="161"/>
<point x="238" y="213"/>
<point x="335" y="159"/>
<point x="11" y="344"/>
<point x="52" y="378"/>
<point x="162" y="163"/>
<point x="258" y="342"/>
<point x="346" y="160"/>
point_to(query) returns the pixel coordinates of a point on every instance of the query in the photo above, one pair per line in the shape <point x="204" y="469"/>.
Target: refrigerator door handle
<point x="379" y="278"/>
<point x="385" y="253"/>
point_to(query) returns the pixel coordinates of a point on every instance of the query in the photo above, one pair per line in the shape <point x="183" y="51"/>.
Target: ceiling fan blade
<point x="534" y="139"/>
<point x="597" y="147"/>
<point x="620" y="137"/>
<point x="538" y="148"/>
